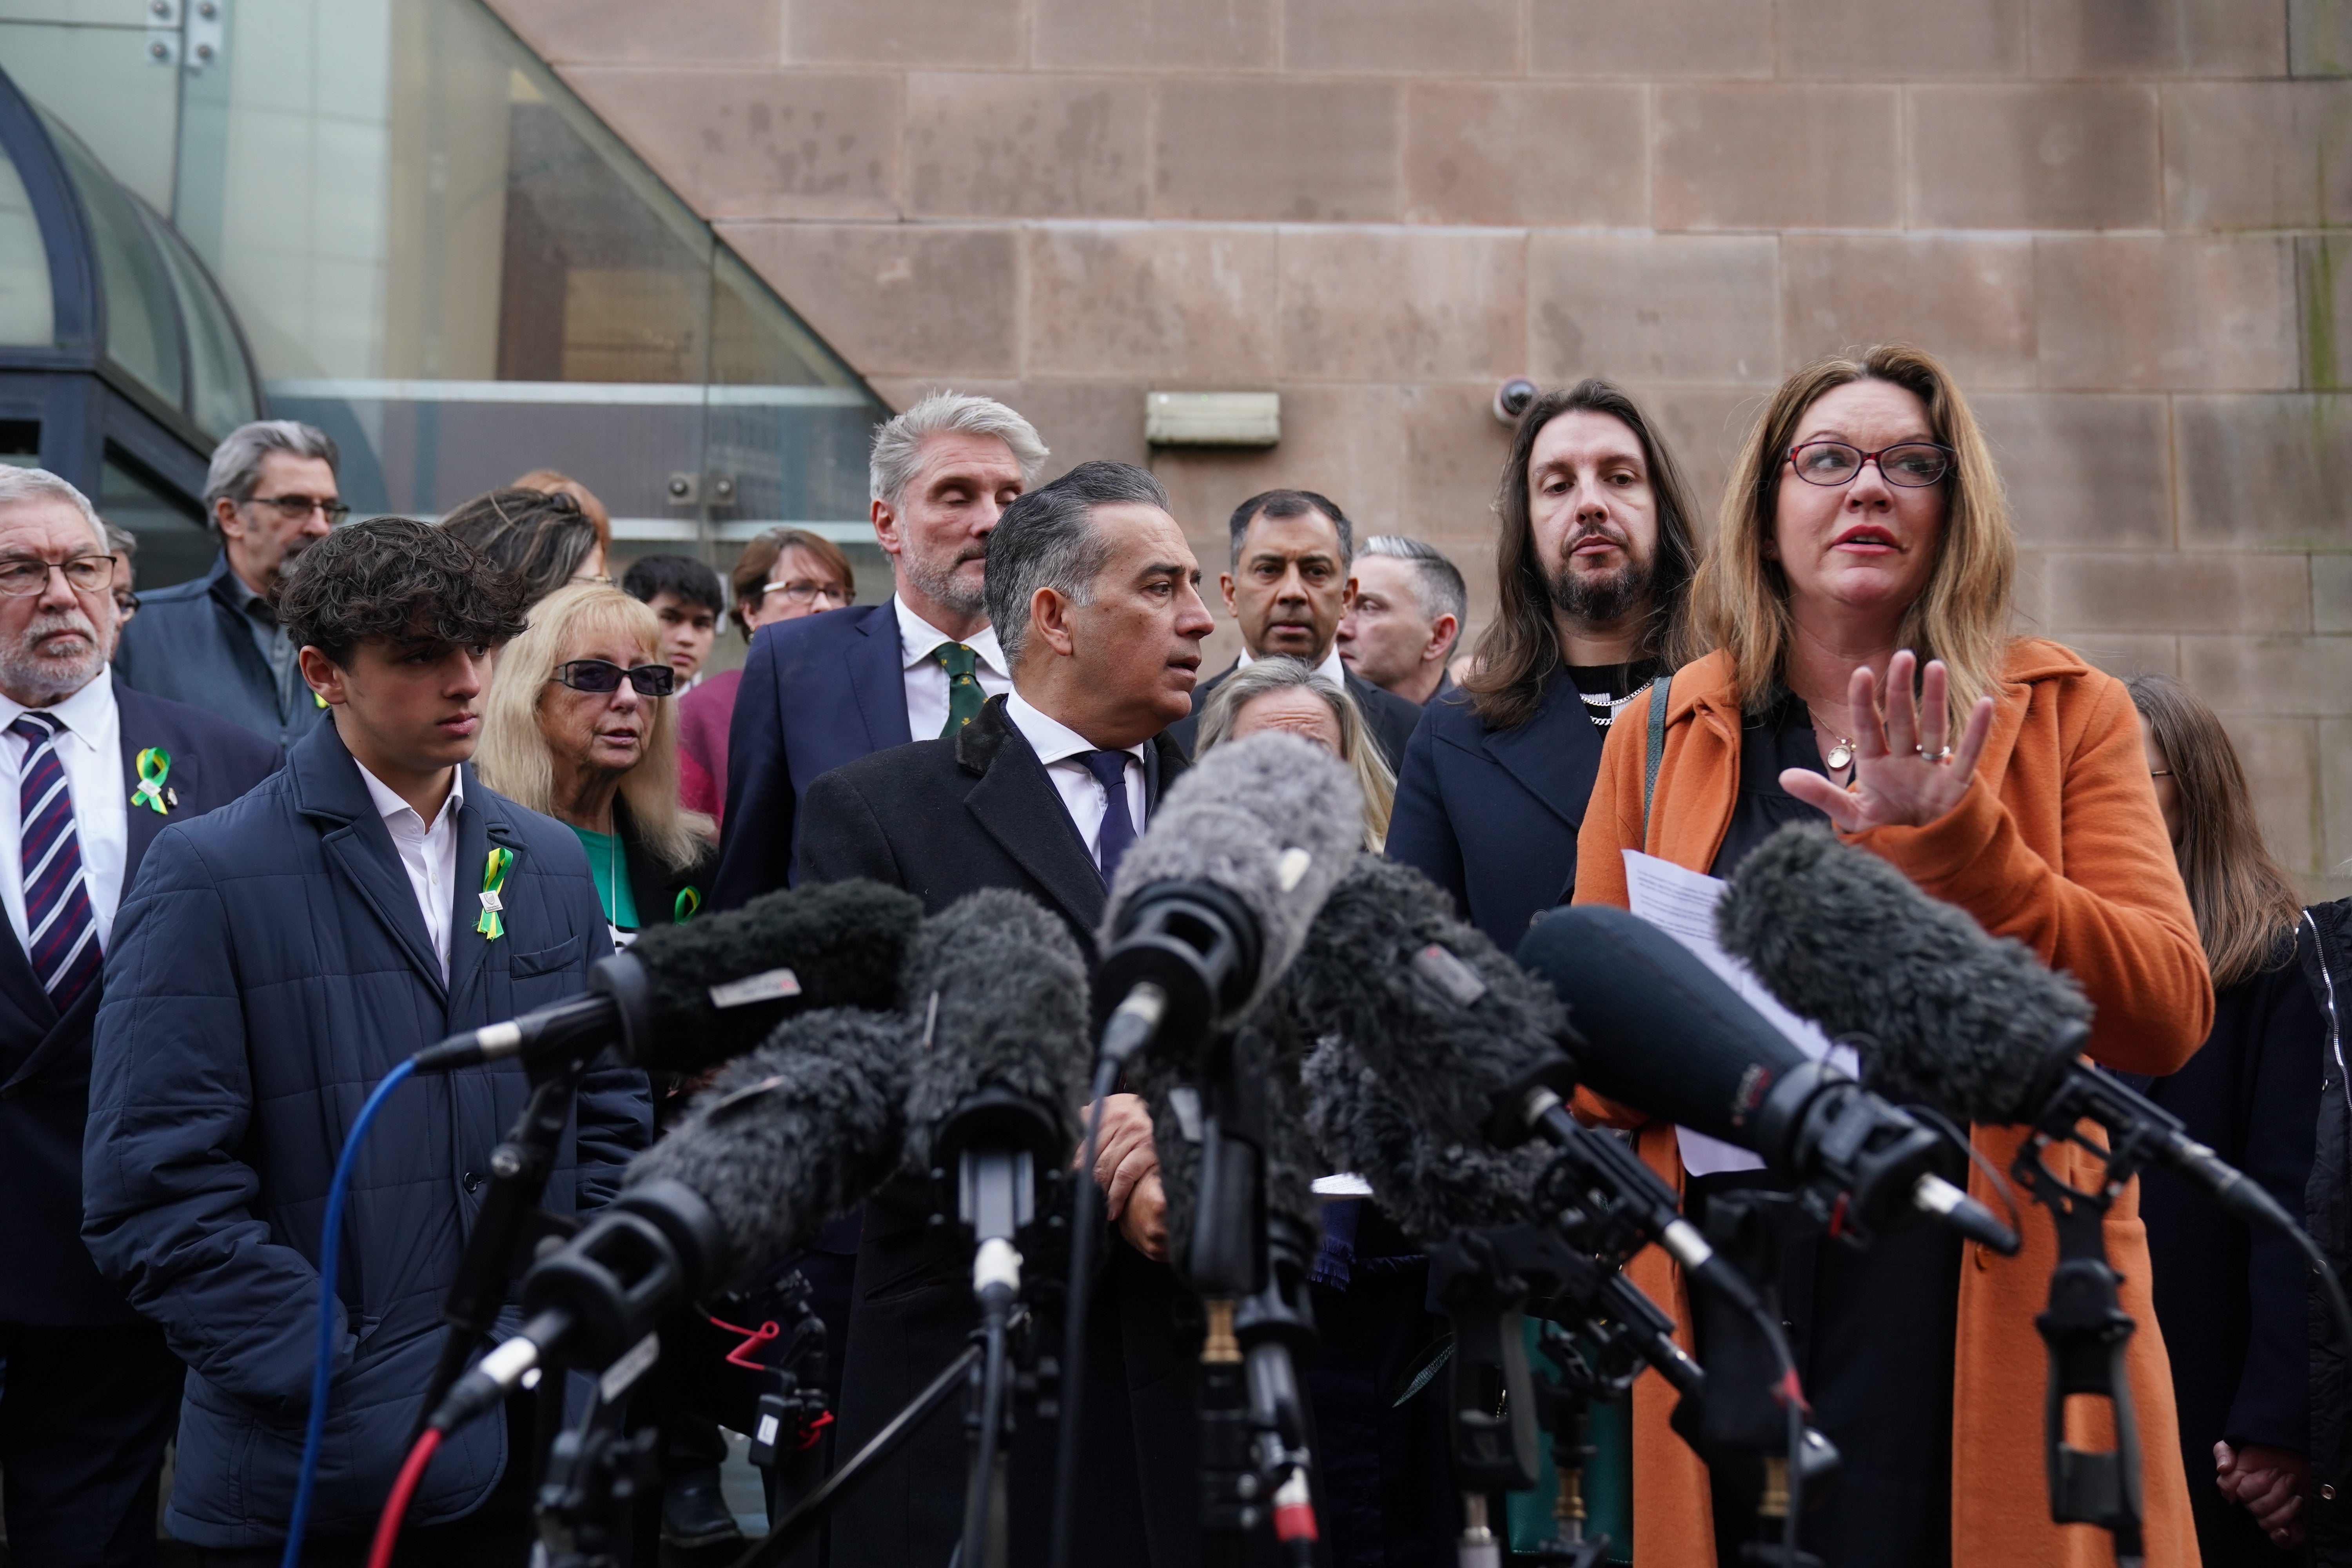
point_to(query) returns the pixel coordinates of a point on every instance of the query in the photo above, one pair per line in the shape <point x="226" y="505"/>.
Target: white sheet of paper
<point x="1682" y="904"/>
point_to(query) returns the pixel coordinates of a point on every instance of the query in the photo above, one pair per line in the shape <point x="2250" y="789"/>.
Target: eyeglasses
<point x="801" y="592"/>
<point x="601" y="676"/>
<point x="292" y="507"/>
<point x="21" y="578"/>
<point x="1914" y="464"/>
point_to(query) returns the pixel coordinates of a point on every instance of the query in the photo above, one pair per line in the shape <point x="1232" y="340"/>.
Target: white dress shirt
<point x="1062" y="749"/>
<point x="926" y="679"/>
<point x="1331" y="670"/>
<point x="90" y="747"/>
<point x="429" y="855"/>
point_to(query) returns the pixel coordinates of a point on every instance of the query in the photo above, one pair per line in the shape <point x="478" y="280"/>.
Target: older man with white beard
<point x="90" y="772"/>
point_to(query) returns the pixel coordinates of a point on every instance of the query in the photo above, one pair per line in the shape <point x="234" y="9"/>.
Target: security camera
<point x="1511" y="399"/>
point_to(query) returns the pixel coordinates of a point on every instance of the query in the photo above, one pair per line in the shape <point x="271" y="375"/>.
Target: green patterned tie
<point x="964" y="695"/>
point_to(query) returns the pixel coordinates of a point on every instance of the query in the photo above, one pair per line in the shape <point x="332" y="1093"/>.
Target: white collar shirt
<point x="90" y="748"/>
<point x="926" y="679"/>
<point x="1331" y="670"/>
<point x="1063" y="751"/>
<point x="428" y="854"/>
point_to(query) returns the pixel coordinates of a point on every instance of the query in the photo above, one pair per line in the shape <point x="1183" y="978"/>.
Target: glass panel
<point x="222" y="395"/>
<point x="87" y="64"/>
<point x="442" y="256"/>
<point x="142" y="330"/>
<point x="173" y="544"/>
<point x="25" y="296"/>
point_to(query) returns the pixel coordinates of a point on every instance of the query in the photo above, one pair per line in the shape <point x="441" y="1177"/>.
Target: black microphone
<point x="1211" y="903"/>
<point x="998" y="991"/>
<point x="686" y="997"/>
<point x="1660" y="1031"/>
<point x="801" y="1129"/>
<point x="1427" y="1000"/>
<point x="1943" y="1011"/>
<point x="596" y="1300"/>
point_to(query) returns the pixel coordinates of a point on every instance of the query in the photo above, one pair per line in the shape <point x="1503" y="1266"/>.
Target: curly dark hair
<point x="540" y="536"/>
<point x="392" y="579"/>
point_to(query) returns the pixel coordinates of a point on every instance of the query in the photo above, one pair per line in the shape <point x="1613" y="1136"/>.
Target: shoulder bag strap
<point x="1658" y="692"/>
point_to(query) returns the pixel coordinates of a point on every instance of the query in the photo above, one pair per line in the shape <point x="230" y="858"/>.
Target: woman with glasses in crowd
<point x="579" y="723"/>
<point x="1282" y="693"/>
<point x="782" y="576"/>
<point x="1863" y="674"/>
<point x="2233" y="1301"/>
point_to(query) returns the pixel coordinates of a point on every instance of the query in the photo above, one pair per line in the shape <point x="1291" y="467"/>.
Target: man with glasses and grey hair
<point x="90" y="772"/>
<point x="215" y="642"/>
<point x="825" y="689"/>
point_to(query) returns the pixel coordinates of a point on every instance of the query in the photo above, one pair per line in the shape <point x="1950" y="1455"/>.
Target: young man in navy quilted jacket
<point x="273" y="962"/>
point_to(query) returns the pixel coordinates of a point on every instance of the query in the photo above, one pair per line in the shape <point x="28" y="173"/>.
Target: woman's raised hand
<point x="1907" y="773"/>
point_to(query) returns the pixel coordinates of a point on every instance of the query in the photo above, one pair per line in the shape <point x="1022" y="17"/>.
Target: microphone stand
<point x="512" y="1223"/>
<point x="1274" y="1327"/>
<point x="1226" y="1262"/>
<point x="2085" y="1327"/>
<point x="995" y="1141"/>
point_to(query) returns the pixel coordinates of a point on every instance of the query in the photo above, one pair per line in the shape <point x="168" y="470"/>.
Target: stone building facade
<point x="2121" y="221"/>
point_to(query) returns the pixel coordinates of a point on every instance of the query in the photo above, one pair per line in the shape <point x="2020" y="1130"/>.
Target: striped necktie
<point x="61" y="933"/>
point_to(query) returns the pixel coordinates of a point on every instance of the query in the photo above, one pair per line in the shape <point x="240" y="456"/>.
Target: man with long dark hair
<point x="1593" y="562"/>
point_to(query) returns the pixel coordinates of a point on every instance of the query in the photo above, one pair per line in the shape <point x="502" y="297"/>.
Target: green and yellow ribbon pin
<point x="494" y="881"/>
<point x="154" y="766"/>
<point x="690" y="900"/>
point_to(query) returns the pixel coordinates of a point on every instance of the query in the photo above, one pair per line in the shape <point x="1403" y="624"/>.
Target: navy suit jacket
<point x="190" y="643"/>
<point x="817" y="693"/>
<point x="45" y="1055"/>
<point x="1491" y="815"/>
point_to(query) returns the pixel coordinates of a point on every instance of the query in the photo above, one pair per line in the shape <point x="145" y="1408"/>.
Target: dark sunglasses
<point x="599" y="675"/>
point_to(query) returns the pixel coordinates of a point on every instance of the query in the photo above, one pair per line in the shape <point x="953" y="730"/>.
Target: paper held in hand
<point x="1682" y="904"/>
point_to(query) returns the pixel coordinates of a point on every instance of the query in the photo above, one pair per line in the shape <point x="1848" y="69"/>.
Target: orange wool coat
<point x="2058" y="842"/>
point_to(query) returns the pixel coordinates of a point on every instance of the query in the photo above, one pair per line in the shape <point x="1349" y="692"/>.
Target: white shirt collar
<point x="1331" y="670"/>
<point x="1053" y="741"/>
<point x="389" y="806"/>
<point x="918" y="637"/>
<point x="84" y="716"/>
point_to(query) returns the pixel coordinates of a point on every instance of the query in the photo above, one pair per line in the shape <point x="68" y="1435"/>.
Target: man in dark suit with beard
<point x="1095" y="598"/>
<point x="90" y="770"/>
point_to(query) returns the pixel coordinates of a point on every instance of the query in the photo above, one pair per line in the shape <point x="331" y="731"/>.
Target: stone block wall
<point x="2122" y="221"/>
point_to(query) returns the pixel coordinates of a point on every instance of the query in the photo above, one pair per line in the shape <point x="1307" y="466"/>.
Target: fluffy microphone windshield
<point x="1011" y="1013"/>
<point x="1279" y="1103"/>
<point x="1429" y="1180"/>
<point x="798" y="1131"/>
<point x="1273" y="820"/>
<point x="1421" y="997"/>
<point x="843" y="941"/>
<point x="1953" y="1017"/>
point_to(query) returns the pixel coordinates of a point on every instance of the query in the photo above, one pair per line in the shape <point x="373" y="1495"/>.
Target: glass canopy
<point x="437" y="253"/>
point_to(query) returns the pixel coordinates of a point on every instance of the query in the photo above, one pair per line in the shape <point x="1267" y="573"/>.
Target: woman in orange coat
<point x="1863" y="528"/>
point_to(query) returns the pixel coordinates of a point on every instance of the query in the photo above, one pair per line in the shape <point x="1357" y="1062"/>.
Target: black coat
<point x="943" y="818"/>
<point x="2231" y="1301"/>
<point x="664" y="894"/>
<point x="1389" y="717"/>
<point x="45" y="1056"/>
<point x="1491" y="815"/>
<point x="2324" y="955"/>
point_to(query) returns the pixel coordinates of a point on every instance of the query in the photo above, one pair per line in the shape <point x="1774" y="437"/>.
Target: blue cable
<point x="330" y="1243"/>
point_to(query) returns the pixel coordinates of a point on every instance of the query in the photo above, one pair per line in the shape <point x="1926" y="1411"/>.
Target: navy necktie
<point x="1109" y="769"/>
<point x="61" y="935"/>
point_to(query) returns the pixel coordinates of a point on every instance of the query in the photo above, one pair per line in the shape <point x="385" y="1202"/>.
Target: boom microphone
<point x="1213" y="900"/>
<point x="1660" y="1032"/>
<point x="686" y="997"/>
<point x="791" y="1135"/>
<point x="1945" y="1012"/>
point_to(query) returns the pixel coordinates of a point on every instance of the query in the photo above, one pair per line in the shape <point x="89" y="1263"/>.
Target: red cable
<point x="388" y="1529"/>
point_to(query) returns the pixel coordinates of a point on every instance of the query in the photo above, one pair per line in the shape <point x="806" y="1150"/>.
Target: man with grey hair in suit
<point x="214" y="642"/>
<point x="1406" y="618"/>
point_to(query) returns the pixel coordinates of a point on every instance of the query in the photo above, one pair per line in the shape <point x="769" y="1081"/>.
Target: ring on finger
<point x="1943" y="754"/>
